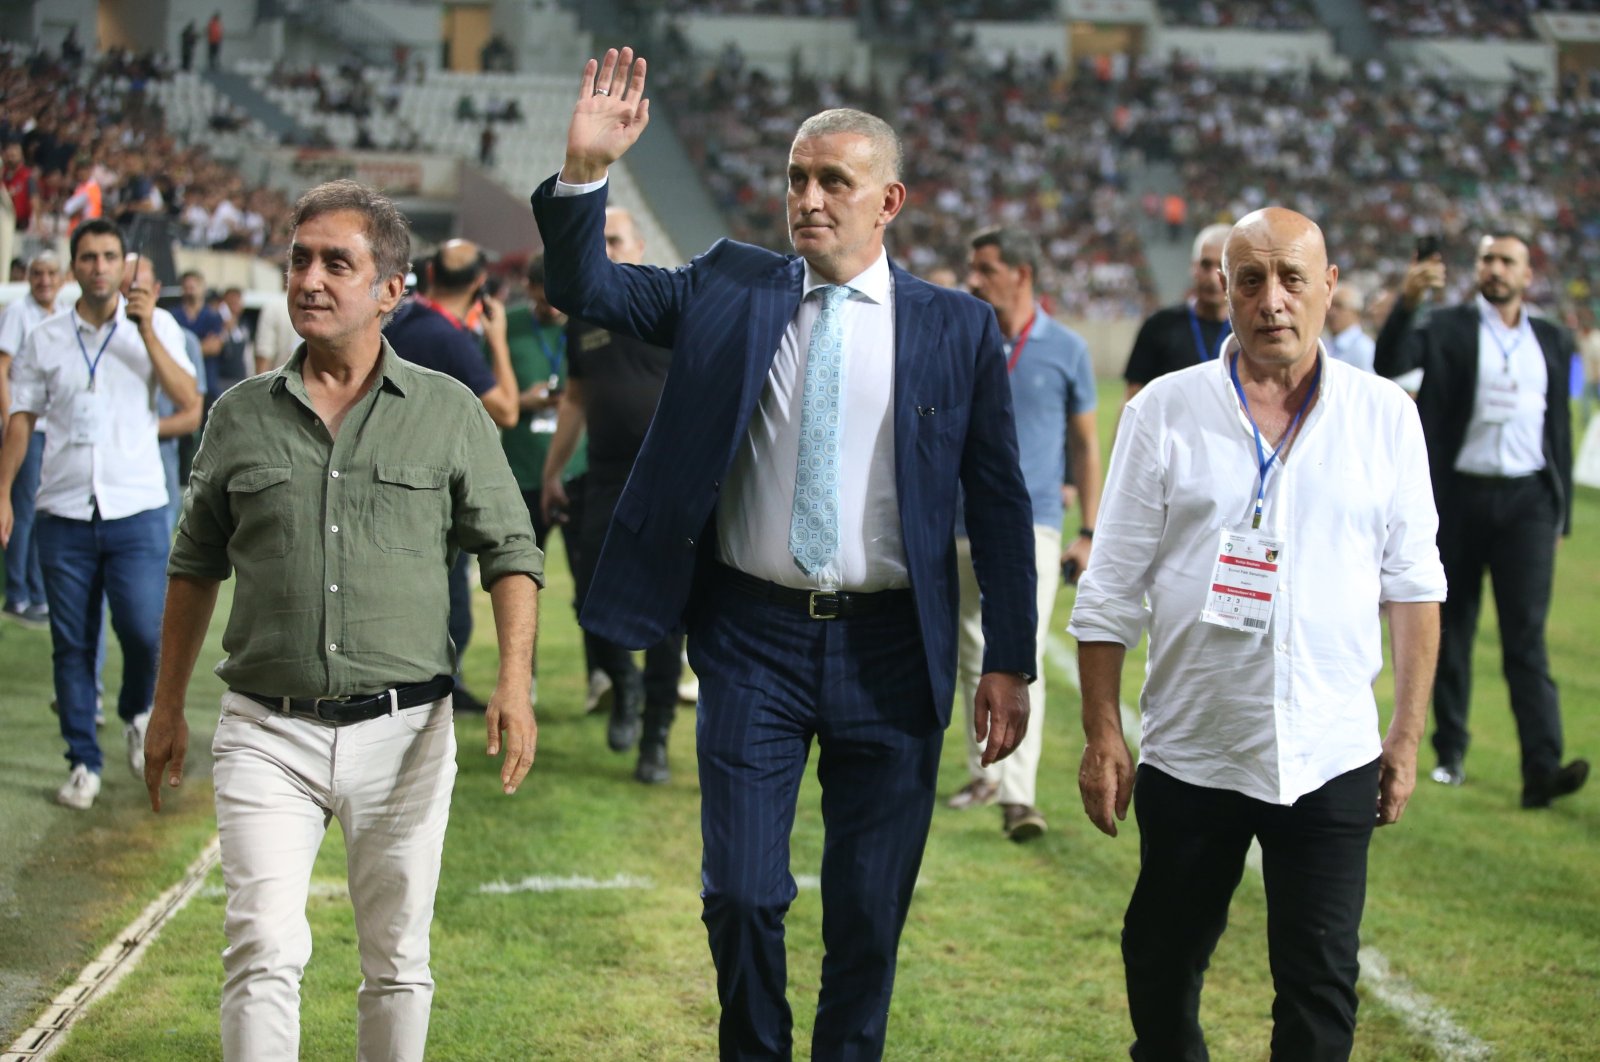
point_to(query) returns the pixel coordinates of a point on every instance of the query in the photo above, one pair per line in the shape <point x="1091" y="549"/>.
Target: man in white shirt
<point x="24" y="581"/>
<point x="95" y="370"/>
<point x="1345" y="338"/>
<point x="1493" y="402"/>
<point x="1265" y="576"/>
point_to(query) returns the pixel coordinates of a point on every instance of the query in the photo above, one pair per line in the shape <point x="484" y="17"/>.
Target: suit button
<point x="689" y="543"/>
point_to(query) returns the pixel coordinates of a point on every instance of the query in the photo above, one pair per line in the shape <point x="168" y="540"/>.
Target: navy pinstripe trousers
<point x="771" y="679"/>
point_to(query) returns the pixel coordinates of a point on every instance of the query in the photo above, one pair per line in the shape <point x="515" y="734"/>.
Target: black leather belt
<point x="818" y="604"/>
<point x="341" y="711"/>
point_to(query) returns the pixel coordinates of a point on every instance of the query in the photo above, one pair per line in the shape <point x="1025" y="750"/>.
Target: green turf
<point x="1009" y="952"/>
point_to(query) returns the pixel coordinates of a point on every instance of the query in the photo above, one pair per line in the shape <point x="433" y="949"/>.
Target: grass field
<point x="1490" y="912"/>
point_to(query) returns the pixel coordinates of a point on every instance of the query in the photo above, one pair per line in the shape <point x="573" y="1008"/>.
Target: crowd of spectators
<point x="1379" y="161"/>
<point x="1292" y="15"/>
<point x="1476" y="19"/>
<point x="96" y="145"/>
<point x="988" y="140"/>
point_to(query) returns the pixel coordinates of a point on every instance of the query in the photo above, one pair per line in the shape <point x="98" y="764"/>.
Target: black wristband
<point x="1085" y="532"/>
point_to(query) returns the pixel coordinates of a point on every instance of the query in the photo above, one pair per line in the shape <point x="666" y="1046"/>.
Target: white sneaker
<point x="83" y="785"/>
<point x="134" y="733"/>
<point x="599" y="699"/>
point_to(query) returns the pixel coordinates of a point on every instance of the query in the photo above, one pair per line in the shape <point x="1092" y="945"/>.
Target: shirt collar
<point x="1230" y="347"/>
<point x="86" y="328"/>
<point x="392" y="371"/>
<point x="873" y="282"/>
<point x="1490" y="313"/>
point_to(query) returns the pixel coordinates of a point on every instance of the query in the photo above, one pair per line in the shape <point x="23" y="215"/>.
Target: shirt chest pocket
<point x="411" y="508"/>
<point x="259" y="500"/>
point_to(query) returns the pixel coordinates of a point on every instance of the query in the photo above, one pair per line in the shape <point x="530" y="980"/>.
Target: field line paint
<point x="49" y="1029"/>
<point x="565" y="883"/>
<point x="1417" y="1011"/>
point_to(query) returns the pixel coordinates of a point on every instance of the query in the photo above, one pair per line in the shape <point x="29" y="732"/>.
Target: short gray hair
<point x="1217" y="233"/>
<point x="388" y="233"/>
<point x="885" y="141"/>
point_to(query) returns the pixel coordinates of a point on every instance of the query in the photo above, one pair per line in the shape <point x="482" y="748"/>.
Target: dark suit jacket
<point x="724" y="315"/>
<point x="1446" y="349"/>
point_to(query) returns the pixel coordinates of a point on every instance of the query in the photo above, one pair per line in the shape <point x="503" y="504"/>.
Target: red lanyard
<point x="423" y="300"/>
<point x="1022" y="341"/>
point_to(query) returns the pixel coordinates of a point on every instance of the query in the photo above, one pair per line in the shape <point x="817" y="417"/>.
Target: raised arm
<point x="608" y="117"/>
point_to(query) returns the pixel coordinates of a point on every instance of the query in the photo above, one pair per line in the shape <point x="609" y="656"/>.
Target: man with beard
<point x="1493" y="402"/>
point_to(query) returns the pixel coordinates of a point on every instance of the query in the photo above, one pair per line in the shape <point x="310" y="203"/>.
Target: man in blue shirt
<point x="433" y="331"/>
<point x="1053" y="393"/>
<point x="196" y="316"/>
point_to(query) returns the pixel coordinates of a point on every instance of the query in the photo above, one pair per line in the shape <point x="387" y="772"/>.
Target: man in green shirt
<point x="536" y="333"/>
<point x="338" y="487"/>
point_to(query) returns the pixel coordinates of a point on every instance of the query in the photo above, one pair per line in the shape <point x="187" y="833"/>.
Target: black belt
<point x="341" y="711"/>
<point x="818" y="604"/>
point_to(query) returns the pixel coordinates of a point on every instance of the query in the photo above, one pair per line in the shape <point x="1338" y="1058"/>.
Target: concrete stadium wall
<point x="827" y="46"/>
<point x="1500" y="62"/>
<point x="1243" y="50"/>
<point x="1109" y="342"/>
<point x="1025" y="39"/>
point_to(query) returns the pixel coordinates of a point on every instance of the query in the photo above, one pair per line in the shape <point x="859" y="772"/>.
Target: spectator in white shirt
<point x="1265" y="577"/>
<point x="95" y="371"/>
<point x="1345" y="338"/>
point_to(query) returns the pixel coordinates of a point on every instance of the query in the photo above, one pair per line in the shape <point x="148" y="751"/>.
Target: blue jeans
<point x="124" y="563"/>
<point x="24" y="580"/>
<point x="169" y="464"/>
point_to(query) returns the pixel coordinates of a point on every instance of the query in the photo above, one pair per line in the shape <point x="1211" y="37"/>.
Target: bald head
<point x="1279" y="285"/>
<point x="457" y="267"/>
<point x="1345" y="309"/>
<point x="624" y="244"/>
<point x="1205" y="263"/>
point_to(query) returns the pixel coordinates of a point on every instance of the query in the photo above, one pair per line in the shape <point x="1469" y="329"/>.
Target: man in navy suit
<point x="794" y="506"/>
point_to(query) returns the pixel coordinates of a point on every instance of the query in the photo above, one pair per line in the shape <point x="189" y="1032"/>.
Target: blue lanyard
<point x="1262" y="457"/>
<point x="92" y="366"/>
<point x="1505" y="351"/>
<point x="1206" y="354"/>
<point x="554" y="357"/>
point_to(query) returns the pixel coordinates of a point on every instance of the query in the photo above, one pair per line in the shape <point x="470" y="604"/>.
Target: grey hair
<point x="45" y="257"/>
<point x="885" y="141"/>
<point x="1017" y="248"/>
<point x="1209" y="234"/>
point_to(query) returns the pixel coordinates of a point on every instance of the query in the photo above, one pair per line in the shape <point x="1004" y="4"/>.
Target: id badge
<point x="1498" y="398"/>
<point x="87" y="417"/>
<point x="1244" y="582"/>
<point x="543" y="422"/>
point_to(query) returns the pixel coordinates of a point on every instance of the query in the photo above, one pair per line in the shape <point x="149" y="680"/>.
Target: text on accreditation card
<point x="1244" y="582"/>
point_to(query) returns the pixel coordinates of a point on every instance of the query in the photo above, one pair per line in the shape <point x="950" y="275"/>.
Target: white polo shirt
<point x="122" y="472"/>
<point x="1278" y="713"/>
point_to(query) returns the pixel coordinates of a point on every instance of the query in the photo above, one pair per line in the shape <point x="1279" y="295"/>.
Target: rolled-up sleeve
<point x="1110" y="603"/>
<point x="200" y="549"/>
<point x="1411" y="568"/>
<point x="30" y="392"/>
<point x="490" y="518"/>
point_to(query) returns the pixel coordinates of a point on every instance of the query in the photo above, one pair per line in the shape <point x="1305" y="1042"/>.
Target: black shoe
<point x="625" y="724"/>
<point x="466" y="703"/>
<point x="1567" y="780"/>
<point x="652" y="768"/>
<point x="1022" y="822"/>
<point x="1449" y="773"/>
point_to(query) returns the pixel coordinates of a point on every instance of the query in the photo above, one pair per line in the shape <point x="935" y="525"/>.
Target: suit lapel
<point x="913" y="342"/>
<point x="774" y="300"/>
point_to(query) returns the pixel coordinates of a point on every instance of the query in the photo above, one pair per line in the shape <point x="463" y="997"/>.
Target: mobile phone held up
<point x="1427" y="247"/>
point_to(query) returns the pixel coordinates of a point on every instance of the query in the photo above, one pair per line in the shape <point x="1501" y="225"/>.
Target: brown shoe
<point x="1022" y="822"/>
<point x="975" y="794"/>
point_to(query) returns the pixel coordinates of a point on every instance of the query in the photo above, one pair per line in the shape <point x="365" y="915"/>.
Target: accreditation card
<point x="1244" y="583"/>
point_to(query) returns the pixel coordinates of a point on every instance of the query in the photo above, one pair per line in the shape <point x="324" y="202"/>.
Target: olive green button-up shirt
<point x="342" y="545"/>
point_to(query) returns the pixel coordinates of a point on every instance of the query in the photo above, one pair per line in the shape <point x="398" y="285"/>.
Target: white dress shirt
<point x="1353" y="347"/>
<point x="20" y="318"/>
<point x="1277" y="714"/>
<point x="1513" y="447"/>
<point x="755" y="511"/>
<point x="123" y="474"/>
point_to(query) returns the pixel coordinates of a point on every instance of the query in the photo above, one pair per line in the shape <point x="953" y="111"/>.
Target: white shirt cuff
<point x="562" y="188"/>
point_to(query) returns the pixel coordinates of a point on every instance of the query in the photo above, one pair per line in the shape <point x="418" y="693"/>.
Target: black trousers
<point x="1508" y="526"/>
<point x="541" y="534"/>
<point x="656" y="687"/>
<point x="1192" y="845"/>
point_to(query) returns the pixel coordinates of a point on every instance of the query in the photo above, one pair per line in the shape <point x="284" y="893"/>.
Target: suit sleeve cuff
<point x="562" y="188"/>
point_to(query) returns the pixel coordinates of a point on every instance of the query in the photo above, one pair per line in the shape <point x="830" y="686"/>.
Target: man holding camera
<point x="1493" y="403"/>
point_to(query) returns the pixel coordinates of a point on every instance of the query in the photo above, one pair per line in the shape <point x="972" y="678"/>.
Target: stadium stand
<point x="1250" y="14"/>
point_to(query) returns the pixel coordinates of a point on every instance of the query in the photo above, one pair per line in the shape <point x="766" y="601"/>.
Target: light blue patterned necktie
<point x="814" y="521"/>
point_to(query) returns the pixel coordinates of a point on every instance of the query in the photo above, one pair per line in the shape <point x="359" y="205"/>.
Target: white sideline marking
<point x="1418" y="1011"/>
<point x="567" y="883"/>
<point x="49" y="1029"/>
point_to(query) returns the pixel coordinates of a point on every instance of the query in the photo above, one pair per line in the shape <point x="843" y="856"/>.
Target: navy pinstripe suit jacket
<point x="723" y="315"/>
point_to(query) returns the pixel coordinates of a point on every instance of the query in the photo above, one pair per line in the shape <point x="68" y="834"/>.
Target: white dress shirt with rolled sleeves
<point x="1277" y="714"/>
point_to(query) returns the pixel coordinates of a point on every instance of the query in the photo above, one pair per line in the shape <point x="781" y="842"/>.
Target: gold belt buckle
<point x="828" y="598"/>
